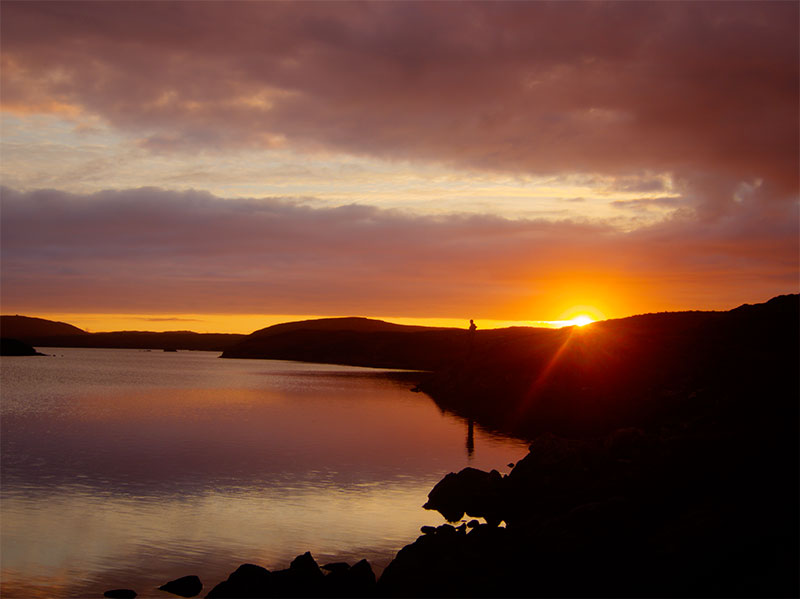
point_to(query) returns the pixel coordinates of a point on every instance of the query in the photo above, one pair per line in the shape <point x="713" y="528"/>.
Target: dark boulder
<point x="361" y="574"/>
<point x="449" y="563"/>
<point x="306" y="567"/>
<point x="247" y="582"/>
<point x="185" y="586"/>
<point x="303" y="578"/>
<point x="358" y="581"/>
<point x="471" y="491"/>
<point x="120" y="594"/>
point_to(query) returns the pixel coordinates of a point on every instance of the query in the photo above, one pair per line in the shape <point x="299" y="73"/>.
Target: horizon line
<point x="244" y="324"/>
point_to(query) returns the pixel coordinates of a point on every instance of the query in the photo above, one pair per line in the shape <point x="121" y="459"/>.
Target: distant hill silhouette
<point x="26" y="327"/>
<point x="350" y="323"/>
<point x="149" y="340"/>
<point x="40" y="332"/>
<point x="355" y="342"/>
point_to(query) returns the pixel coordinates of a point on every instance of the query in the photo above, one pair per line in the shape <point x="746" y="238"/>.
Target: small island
<point x="15" y="347"/>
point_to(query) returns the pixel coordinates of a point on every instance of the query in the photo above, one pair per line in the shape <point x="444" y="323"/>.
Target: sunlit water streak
<point x="123" y="468"/>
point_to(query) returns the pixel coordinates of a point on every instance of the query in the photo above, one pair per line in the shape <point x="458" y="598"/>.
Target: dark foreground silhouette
<point x="663" y="462"/>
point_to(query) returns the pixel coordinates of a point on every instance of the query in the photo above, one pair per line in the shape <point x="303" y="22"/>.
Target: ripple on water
<point x="128" y="469"/>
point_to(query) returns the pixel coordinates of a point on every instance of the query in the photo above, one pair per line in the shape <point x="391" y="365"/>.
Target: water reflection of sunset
<point x="212" y="463"/>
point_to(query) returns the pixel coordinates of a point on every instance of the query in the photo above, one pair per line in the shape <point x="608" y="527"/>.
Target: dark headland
<point x="15" y="347"/>
<point x="663" y="458"/>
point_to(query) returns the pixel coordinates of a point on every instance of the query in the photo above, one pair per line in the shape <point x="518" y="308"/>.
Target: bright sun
<point x="581" y="320"/>
<point x="580" y="316"/>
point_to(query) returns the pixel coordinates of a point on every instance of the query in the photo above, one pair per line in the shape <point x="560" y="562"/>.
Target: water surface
<point x="125" y="468"/>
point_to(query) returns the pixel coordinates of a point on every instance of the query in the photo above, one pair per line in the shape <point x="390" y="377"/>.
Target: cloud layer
<point x="156" y="251"/>
<point x="691" y="104"/>
<point x="534" y="87"/>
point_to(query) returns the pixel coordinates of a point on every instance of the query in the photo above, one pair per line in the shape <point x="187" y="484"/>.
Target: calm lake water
<point x="125" y="468"/>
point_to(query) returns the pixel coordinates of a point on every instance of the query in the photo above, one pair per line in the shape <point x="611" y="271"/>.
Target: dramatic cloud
<point x="157" y="251"/>
<point x="687" y="88"/>
<point x="668" y="131"/>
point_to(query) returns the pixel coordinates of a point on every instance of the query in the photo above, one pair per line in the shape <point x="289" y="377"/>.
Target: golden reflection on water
<point x="199" y="465"/>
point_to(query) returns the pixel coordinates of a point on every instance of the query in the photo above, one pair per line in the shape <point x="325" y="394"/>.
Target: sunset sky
<point x="225" y="166"/>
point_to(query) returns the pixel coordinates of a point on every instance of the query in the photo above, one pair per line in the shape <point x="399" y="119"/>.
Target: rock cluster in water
<point x="303" y="578"/>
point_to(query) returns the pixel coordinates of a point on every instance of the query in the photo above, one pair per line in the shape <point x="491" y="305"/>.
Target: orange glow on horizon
<point x="248" y="323"/>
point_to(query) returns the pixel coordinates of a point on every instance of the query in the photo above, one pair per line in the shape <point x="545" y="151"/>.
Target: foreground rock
<point x="686" y="511"/>
<point x="186" y="586"/>
<point x="303" y="578"/>
<point x="248" y="580"/>
<point x="471" y="491"/>
<point x="355" y="581"/>
<point x="120" y="594"/>
<point x="452" y="562"/>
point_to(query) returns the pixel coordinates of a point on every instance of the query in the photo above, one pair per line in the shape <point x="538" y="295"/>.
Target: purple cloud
<point x="160" y="251"/>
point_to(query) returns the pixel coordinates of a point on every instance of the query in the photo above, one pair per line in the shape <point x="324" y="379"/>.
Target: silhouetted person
<point x="472" y="329"/>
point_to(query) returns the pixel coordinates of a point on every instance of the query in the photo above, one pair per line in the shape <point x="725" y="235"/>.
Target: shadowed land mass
<point x="47" y="333"/>
<point x="664" y="455"/>
<point x="663" y="458"/>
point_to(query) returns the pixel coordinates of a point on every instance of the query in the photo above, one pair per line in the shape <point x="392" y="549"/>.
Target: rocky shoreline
<point x="664" y="462"/>
<point x="630" y="514"/>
